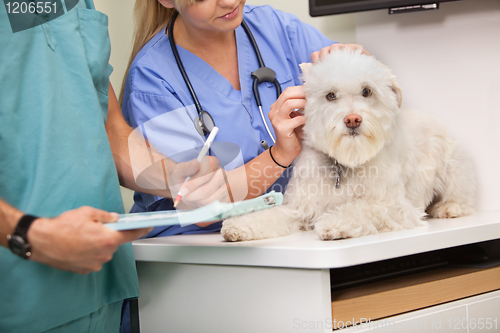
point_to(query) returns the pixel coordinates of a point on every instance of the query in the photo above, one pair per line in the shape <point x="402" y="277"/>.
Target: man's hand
<point x="77" y="241"/>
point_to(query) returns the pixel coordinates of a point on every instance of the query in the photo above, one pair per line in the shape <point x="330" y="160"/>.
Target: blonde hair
<point x="149" y="18"/>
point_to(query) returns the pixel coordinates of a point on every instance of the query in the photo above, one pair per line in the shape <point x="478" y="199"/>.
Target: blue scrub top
<point x="55" y="156"/>
<point x="157" y="101"/>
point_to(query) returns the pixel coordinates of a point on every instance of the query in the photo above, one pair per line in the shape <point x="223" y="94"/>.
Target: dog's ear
<point x="397" y="90"/>
<point x="304" y="67"/>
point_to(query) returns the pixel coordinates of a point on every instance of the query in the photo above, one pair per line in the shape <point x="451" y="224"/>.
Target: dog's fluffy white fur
<point x="394" y="168"/>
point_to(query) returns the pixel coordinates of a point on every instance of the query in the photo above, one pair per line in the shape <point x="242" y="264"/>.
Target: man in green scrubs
<point x="55" y="157"/>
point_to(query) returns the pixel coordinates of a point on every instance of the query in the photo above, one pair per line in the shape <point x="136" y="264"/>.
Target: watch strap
<point x="23" y="225"/>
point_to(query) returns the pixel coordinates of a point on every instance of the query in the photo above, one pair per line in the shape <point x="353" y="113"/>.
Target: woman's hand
<point x="287" y="121"/>
<point x="318" y="55"/>
<point x="206" y="185"/>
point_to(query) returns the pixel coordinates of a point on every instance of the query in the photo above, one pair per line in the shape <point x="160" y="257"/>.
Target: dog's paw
<point x="326" y="231"/>
<point x="447" y="210"/>
<point x="234" y="234"/>
<point x="236" y="230"/>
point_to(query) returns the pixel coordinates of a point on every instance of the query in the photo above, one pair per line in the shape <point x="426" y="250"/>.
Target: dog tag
<point x="337" y="173"/>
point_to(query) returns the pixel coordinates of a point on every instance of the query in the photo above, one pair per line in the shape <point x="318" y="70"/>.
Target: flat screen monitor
<point x="329" y="7"/>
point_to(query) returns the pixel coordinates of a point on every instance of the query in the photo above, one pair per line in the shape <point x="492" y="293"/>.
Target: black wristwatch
<point x="18" y="241"/>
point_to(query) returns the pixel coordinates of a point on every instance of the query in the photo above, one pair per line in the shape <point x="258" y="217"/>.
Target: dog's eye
<point x="367" y="92"/>
<point x="331" y="96"/>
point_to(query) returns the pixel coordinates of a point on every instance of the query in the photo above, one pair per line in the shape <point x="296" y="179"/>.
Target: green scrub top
<point x="55" y="156"/>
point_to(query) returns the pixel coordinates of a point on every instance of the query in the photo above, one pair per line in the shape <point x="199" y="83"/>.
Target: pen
<point x="202" y="153"/>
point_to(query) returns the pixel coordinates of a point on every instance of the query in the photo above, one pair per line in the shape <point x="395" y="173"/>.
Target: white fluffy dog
<point x="366" y="166"/>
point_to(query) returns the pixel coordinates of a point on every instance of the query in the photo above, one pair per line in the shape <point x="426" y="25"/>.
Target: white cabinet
<point x="199" y="283"/>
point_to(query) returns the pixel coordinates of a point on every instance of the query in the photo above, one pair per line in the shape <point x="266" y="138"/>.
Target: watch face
<point x="18" y="246"/>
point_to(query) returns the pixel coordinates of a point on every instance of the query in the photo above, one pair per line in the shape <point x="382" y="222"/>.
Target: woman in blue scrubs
<point x="219" y="58"/>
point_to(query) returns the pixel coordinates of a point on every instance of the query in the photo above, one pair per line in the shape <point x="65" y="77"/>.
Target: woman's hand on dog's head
<point x="319" y="55"/>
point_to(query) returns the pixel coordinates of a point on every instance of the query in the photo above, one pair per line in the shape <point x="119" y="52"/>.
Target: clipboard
<point x="213" y="212"/>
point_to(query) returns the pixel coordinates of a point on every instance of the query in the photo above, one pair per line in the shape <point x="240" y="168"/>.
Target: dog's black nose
<point x="352" y="120"/>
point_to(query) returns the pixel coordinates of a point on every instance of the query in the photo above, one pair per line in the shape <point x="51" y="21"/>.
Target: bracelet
<point x="270" y="153"/>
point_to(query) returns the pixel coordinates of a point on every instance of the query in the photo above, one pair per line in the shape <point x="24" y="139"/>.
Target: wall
<point x="447" y="62"/>
<point x="120" y="12"/>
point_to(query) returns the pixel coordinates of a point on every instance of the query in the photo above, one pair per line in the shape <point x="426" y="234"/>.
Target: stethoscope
<point x="204" y="122"/>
